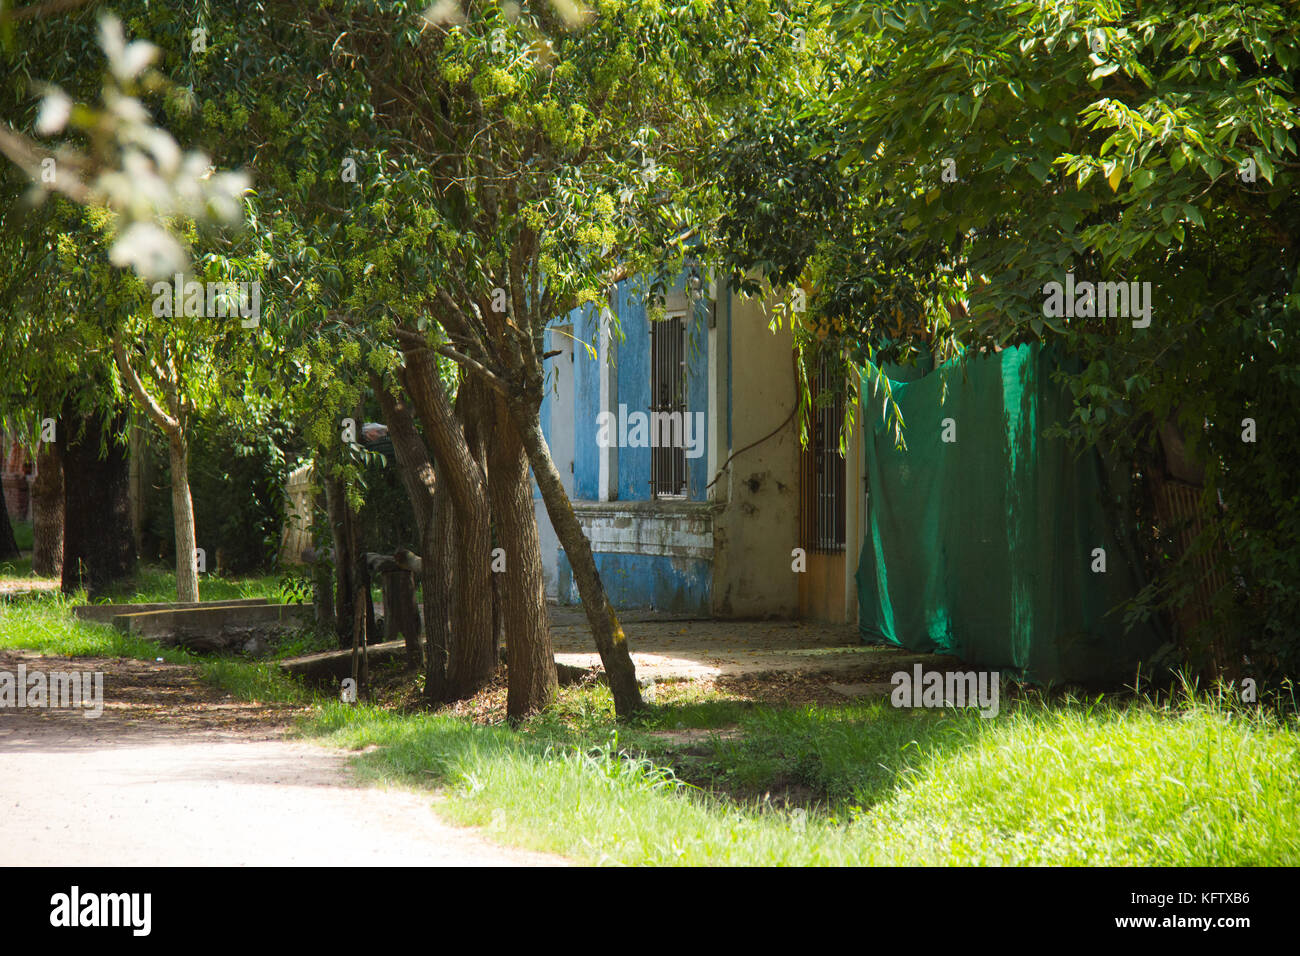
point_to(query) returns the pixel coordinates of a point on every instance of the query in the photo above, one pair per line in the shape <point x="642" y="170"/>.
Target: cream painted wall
<point x="758" y="526"/>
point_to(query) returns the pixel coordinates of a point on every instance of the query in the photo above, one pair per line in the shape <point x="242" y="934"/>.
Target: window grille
<point x="668" y="398"/>
<point x="822" y="472"/>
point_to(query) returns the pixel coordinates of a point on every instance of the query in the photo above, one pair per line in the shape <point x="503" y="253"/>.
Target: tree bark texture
<point x="47" y="511"/>
<point x="97" y="544"/>
<point x="611" y="642"/>
<point x="530" y="658"/>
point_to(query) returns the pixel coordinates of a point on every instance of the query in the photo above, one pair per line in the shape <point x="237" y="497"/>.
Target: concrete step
<point x="215" y="628"/>
<point x="104" y="613"/>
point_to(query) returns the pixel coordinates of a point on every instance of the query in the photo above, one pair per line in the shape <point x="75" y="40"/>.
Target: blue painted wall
<point x="586" y="403"/>
<point x="697" y="396"/>
<point x="633" y="386"/>
<point x="678" y="585"/>
<point x="674" y="585"/>
<point x="548" y="406"/>
<point x="633" y="366"/>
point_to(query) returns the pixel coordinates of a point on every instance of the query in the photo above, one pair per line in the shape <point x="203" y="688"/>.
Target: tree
<point x="8" y="543"/>
<point x="48" y="511"/>
<point x="173" y="419"/>
<point x="97" y="545"/>
<point x="563" y="158"/>
<point x="981" y="158"/>
<point x="504" y="170"/>
<point x="129" y="185"/>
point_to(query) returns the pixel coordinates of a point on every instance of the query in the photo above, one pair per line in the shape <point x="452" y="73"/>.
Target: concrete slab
<point x="214" y="628"/>
<point x="104" y="613"/>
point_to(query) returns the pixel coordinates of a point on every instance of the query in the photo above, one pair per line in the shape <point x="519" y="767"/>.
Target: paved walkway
<point x="165" y="779"/>
<point x="664" y="647"/>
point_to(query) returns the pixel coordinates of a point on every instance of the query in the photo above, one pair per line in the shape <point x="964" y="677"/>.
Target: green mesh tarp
<point x="984" y="546"/>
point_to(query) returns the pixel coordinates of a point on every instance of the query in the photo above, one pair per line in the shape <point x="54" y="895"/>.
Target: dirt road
<point x="173" y="773"/>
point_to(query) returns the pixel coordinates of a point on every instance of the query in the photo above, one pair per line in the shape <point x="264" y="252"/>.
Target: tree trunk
<point x="138" y="451"/>
<point x="401" y="615"/>
<point x="475" y="653"/>
<point x="47" y="511"/>
<point x="413" y="464"/>
<point x="360" y="572"/>
<point x="322" y="577"/>
<point x="362" y="575"/>
<point x="360" y="659"/>
<point x="530" y="659"/>
<point x="97" y="544"/>
<point x="426" y="495"/>
<point x="611" y="642"/>
<point x="8" y="543"/>
<point x="435" y="580"/>
<point x="336" y="504"/>
<point x="187" y="578"/>
<point x="458" y="447"/>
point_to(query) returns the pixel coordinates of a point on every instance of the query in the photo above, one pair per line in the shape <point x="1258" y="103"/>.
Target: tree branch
<point x="151" y="407"/>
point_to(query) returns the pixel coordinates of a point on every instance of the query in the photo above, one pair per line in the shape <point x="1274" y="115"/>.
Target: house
<point x="676" y="435"/>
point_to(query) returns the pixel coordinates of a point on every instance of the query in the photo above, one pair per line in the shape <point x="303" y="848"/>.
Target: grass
<point x="151" y="584"/>
<point x="46" y="625"/>
<point x="1196" y="782"/>
<point x="21" y="568"/>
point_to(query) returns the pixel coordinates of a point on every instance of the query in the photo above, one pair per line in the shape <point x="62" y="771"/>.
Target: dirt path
<point x="175" y="773"/>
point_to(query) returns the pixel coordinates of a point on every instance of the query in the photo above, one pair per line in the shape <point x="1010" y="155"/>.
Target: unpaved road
<point x="175" y="774"/>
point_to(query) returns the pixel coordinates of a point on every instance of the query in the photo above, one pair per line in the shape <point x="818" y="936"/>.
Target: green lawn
<point x="46" y="624"/>
<point x="1195" y="783"/>
<point x="152" y="584"/>
<point x="1201" y="781"/>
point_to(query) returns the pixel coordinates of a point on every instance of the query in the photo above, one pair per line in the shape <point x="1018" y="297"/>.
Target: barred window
<point x="822" y="473"/>
<point x="668" y="407"/>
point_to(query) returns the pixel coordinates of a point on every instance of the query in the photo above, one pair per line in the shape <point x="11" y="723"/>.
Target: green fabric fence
<point x="981" y="535"/>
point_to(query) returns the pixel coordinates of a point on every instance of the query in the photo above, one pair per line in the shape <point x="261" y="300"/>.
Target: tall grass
<point x="1192" y="783"/>
<point x="17" y="568"/>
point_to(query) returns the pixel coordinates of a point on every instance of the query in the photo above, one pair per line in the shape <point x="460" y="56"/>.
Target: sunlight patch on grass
<point x="151" y="584"/>
<point x="1065" y="783"/>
